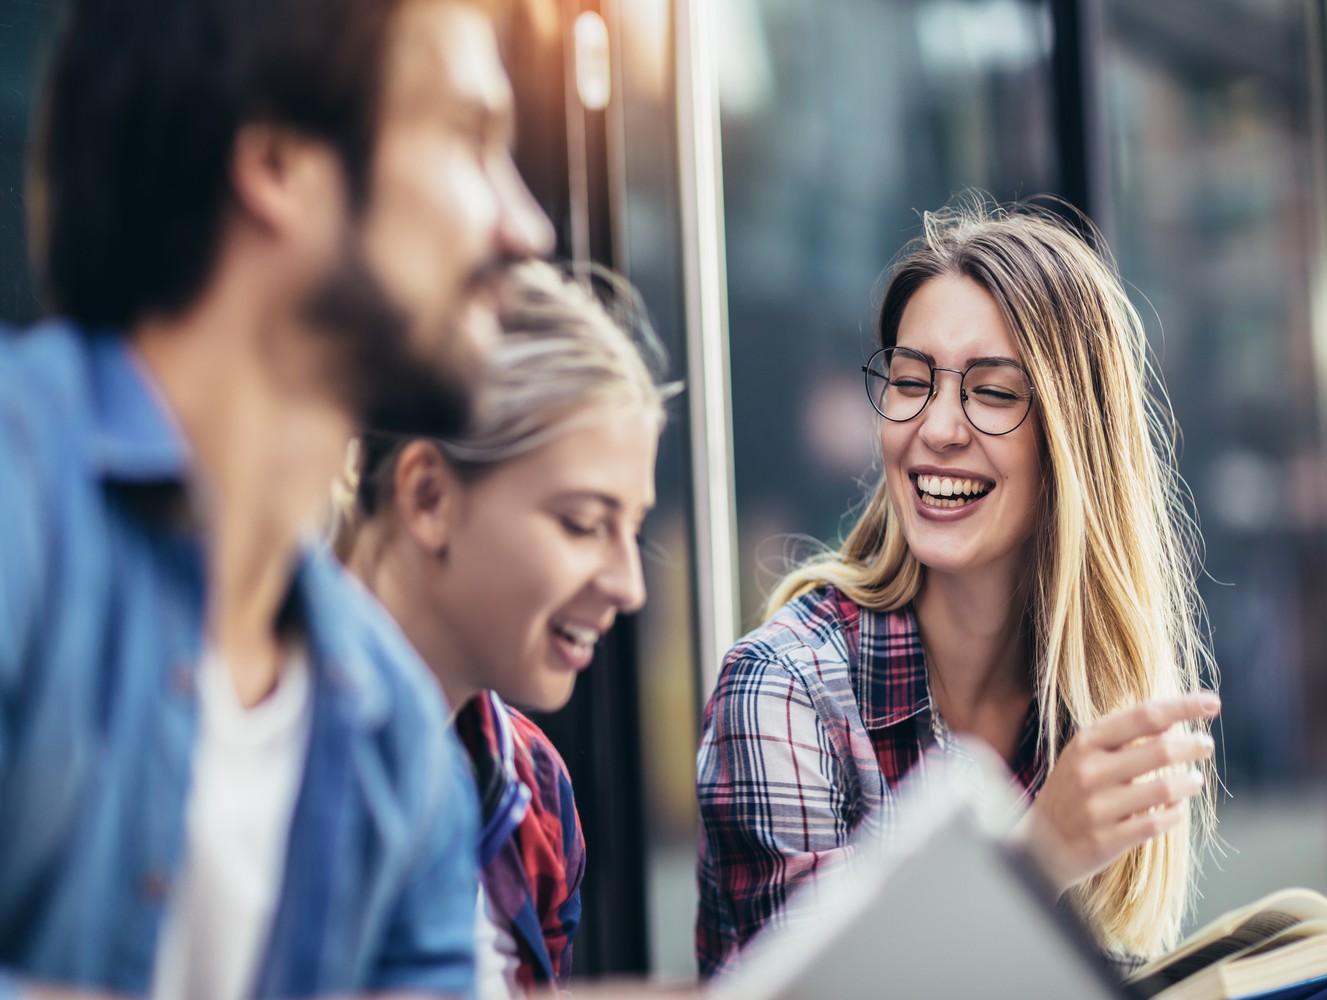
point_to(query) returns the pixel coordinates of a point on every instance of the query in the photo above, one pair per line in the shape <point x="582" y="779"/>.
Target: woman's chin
<point x="548" y="696"/>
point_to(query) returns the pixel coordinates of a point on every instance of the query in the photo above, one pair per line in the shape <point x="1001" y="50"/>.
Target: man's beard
<point x="376" y="372"/>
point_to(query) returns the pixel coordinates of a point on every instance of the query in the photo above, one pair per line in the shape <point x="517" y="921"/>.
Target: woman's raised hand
<point x="1103" y="797"/>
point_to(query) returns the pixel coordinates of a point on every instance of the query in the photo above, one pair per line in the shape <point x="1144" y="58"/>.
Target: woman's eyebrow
<point x="611" y="502"/>
<point x="930" y="359"/>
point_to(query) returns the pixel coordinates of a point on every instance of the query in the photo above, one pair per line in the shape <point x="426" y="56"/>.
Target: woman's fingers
<point x="1145" y="756"/>
<point x="1165" y="790"/>
<point x="1143" y="827"/>
<point x="1150" y="718"/>
<point x="1121" y="782"/>
<point x="1114" y="824"/>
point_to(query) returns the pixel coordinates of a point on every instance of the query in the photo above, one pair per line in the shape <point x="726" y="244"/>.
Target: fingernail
<point x="1208" y="701"/>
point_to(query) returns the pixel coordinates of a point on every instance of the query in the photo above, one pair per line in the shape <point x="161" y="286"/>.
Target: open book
<point x="1276" y="947"/>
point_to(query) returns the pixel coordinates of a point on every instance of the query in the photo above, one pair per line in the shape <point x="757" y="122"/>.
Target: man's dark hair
<point x="130" y="173"/>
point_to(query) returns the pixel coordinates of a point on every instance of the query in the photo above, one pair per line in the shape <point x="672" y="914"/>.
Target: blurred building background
<point x="1192" y="131"/>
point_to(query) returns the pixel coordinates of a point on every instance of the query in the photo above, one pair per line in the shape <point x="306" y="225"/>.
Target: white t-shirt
<point x="247" y="769"/>
<point x="496" y="959"/>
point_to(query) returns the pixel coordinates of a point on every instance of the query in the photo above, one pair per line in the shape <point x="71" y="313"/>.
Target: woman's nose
<point x="944" y="423"/>
<point x="622" y="578"/>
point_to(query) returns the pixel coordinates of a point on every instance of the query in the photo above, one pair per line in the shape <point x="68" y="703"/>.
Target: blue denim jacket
<point x="101" y="611"/>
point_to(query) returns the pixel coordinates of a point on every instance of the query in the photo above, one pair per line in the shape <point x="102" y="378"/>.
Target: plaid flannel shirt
<point x="531" y="850"/>
<point x="817" y="716"/>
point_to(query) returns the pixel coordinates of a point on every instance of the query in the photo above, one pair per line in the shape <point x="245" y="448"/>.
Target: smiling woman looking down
<point x="1022" y="573"/>
<point x="505" y="554"/>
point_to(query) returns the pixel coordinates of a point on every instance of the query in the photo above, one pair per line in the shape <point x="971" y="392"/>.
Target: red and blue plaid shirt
<point x="531" y="850"/>
<point x="817" y="716"/>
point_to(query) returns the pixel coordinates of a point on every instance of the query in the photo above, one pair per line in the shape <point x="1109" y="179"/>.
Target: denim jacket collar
<point x="134" y="438"/>
<point x="320" y="583"/>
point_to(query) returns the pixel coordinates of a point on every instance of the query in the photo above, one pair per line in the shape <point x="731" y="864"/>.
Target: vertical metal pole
<point x="1080" y="125"/>
<point x="616" y="124"/>
<point x="705" y="285"/>
<point x="578" y="168"/>
<point x="1315" y="15"/>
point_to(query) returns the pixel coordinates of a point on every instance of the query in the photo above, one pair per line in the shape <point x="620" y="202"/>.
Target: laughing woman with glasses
<point x="1022" y="574"/>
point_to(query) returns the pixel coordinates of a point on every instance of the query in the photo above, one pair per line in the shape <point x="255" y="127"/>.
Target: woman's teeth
<point x="947" y="491"/>
<point x="578" y="634"/>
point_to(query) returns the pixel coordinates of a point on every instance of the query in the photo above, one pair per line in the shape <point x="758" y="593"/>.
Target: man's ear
<point x="426" y="495"/>
<point x="287" y="184"/>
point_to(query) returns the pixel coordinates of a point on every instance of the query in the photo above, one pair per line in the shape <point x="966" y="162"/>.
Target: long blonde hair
<point x="1113" y="608"/>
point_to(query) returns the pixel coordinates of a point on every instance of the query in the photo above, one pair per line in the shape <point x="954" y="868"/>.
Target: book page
<point x="1292" y="935"/>
<point x="1297" y="955"/>
<point x="1293" y="904"/>
<point x="1252" y="932"/>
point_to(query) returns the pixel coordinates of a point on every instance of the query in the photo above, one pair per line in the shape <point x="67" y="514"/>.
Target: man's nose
<point x="523" y="228"/>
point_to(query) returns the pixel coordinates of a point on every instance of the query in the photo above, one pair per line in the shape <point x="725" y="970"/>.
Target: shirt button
<point x="155" y="886"/>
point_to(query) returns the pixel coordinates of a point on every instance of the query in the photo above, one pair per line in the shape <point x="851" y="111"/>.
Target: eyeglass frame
<point x="867" y="372"/>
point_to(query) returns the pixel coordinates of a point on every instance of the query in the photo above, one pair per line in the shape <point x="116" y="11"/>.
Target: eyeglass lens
<point x="995" y="395"/>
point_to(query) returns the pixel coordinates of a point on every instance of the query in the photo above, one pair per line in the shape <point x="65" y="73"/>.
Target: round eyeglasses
<point x="996" y="394"/>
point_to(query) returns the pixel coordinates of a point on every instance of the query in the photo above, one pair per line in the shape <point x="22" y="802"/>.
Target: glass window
<point x="1210" y="131"/>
